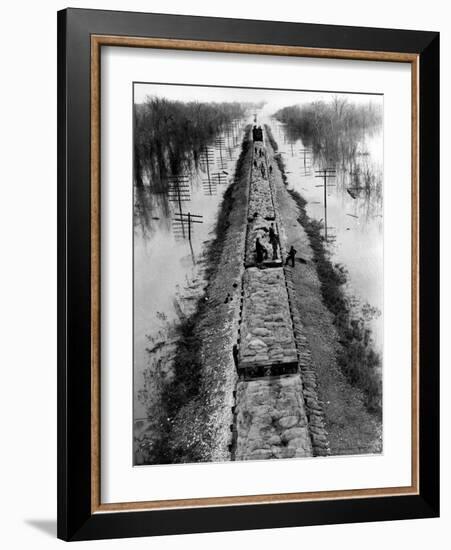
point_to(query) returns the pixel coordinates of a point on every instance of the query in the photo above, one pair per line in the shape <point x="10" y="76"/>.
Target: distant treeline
<point x="334" y="129"/>
<point x="170" y="136"/>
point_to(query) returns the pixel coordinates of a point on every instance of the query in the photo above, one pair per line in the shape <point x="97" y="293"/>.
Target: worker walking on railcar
<point x="274" y="240"/>
<point x="261" y="251"/>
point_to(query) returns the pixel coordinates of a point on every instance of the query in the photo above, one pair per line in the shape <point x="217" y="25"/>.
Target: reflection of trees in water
<point x="367" y="200"/>
<point x="336" y="132"/>
<point x="368" y="207"/>
<point x="150" y="209"/>
<point x="334" y="128"/>
<point x="170" y="138"/>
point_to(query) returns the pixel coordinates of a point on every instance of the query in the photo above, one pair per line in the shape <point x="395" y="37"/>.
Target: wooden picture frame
<point x="81" y="35"/>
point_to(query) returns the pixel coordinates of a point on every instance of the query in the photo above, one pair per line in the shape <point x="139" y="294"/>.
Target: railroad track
<point x="277" y="413"/>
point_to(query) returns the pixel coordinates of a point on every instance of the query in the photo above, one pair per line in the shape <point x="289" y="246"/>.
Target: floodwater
<point x="168" y="267"/>
<point x="354" y="218"/>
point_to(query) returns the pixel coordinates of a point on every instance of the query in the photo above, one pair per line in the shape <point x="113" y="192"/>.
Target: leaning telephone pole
<point x="189" y="219"/>
<point x="325" y="173"/>
<point x="179" y="191"/>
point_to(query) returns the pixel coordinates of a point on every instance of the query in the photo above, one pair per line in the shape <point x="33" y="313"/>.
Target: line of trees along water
<point x="170" y="136"/>
<point x="334" y="130"/>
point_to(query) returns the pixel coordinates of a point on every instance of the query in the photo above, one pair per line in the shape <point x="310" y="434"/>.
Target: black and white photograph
<point x="257" y="273"/>
<point x="225" y="305"/>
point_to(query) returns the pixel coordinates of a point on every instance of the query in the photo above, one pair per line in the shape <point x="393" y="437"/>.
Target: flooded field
<point x="223" y="191"/>
<point x="354" y="213"/>
<point x="168" y="265"/>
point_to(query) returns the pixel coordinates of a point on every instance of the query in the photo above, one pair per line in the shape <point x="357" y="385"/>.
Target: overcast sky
<point x="275" y="98"/>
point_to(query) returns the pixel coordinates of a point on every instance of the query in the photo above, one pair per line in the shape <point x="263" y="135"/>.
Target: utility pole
<point x="307" y="154"/>
<point x="189" y="219"/>
<point x="209" y="156"/>
<point x="325" y="173"/>
<point x="179" y="191"/>
<point x="208" y="166"/>
<point x="219" y="143"/>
